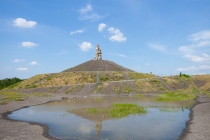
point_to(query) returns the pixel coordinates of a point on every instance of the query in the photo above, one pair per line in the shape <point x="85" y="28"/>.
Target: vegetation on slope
<point x="9" y="82"/>
<point x="203" y="83"/>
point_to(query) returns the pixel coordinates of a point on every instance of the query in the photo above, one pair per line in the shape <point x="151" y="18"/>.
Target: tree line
<point x="8" y="82"/>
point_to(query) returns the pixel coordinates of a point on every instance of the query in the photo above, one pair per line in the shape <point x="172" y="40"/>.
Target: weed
<point x="118" y="110"/>
<point x="175" y="96"/>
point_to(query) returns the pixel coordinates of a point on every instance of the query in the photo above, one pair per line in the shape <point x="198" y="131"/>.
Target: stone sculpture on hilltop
<point x="98" y="55"/>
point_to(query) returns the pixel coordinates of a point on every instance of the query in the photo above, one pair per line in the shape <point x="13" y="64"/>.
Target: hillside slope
<point x="97" y="65"/>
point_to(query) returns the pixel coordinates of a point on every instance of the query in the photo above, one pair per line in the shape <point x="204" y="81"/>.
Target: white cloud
<point x="157" y="47"/>
<point x="76" y="32"/>
<point x="87" y="13"/>
<point x="34" y="63"/>
<point x="204" y="58"/>
<point x="18" y="60"/>
<point x="85" y="46"/>
<point x="116" y="35"/>
<point x="199" y="41"/>
<point x="22" y="23"/>
<point x="28" y="44"/>
<point x="86" y="9"/>
<point x="22" y="69"/>
<point x="101" y="27"/>
<point x="117" y="54"/>
<point x="147" y="64"/>
<point x="194" y="68"/>
<point x="202" y="35"/>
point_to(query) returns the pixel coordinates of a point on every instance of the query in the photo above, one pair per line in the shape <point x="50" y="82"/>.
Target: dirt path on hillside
<point x="197" y="127"/>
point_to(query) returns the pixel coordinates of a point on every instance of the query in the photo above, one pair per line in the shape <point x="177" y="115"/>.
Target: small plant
<point x="124" y="110"/>
<point x="118" y="110"/>
<point x="126" y="90"/>
<point x="176" y="96"/>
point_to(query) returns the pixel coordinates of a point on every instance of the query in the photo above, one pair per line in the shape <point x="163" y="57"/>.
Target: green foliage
<point x="124" y="110"/>
<point x="7" y="96"/>
<point x="136" y="75"/>
<point x="103" y="79"/>
<point x="184" y="75"/>
<point x="175" y="96"/>
<point x="127" y="89"/>
<point x="9" y="82"/>
<point x="118" y="110"/>
<point x="139" y="95"/>
<point x="38" y="94"/>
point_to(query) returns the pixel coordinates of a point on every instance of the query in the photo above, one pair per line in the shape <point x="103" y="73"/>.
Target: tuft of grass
<point x="38" y="94"/>
<point x="175" y="96"/>
<point x="127" y="89"/>
<point x="124" y="110"/>
<point x="7" y="96"/>
<point x="139" y="95"/>
<point x="118" y="110"/>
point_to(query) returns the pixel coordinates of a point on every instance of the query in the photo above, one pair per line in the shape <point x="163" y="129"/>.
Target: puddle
<point x="68" y="120"/>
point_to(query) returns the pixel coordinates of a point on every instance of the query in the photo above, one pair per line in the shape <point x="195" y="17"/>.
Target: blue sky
<point x="164" y="37"/>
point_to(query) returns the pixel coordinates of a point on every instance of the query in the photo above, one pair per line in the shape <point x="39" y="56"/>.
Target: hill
<point x="98" y="65"/>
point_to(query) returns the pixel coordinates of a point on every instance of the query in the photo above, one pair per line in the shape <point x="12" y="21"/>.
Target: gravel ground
<point x="197" y="127"/>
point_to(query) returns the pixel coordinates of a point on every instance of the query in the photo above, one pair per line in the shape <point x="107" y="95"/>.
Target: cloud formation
<point x="101" y="27"/>
<point x="85" y="46"/>
<point x="34" y="63"/>
<point x="117" y="35"/>
<point x="204" y="58"/>
<point x="87" y="13"/>
<point x="18" y="60"/>
<point x="77" y="31"/>
<point x="22" y="23"/>
<point x="199" y="41"/>
<point x="194" y="68"/>
<point x="199" y="36"/>
<point x="28" y="44"/>
<point x="22" y="69"/>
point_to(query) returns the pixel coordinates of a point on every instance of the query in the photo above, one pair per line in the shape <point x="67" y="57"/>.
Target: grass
<point x="6" y="96"/>
<point x="126" y="89"/>
<point x="175" y="96"/>
<point x="118" y="110"/>
<point x="38" y="94"/>
<point x="124" y="110"/>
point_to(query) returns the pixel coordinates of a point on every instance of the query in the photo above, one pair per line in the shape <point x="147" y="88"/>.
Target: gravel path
<point x="197" y="127"/>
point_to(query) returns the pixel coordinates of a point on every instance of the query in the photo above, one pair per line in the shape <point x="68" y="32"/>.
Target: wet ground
<point x="67" y="119"/>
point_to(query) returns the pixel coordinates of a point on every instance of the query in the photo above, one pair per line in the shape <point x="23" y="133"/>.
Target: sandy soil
<point x="197" y="127"/>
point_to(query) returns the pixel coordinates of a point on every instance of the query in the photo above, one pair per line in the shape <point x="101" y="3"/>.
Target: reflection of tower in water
<point x="98" y="125"/>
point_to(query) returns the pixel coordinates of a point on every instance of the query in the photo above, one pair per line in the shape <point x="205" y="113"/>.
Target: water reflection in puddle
<point x="67" y="120"/>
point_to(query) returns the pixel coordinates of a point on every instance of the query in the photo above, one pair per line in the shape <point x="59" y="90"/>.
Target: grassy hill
<point x="106" y="77"/>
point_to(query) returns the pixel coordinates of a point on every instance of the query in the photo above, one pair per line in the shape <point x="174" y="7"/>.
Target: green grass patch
<point x="38" y="94"/>
<point x="176" y="96"/>
<point x="124" y="110"/>
<point x="118" y="110"/>
<point x="126" y="89"/>
<point x="139" y="95"/>
<point x="6" y="96"/>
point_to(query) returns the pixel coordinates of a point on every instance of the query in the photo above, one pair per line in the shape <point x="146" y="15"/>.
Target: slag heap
<point x="98" y="55"/>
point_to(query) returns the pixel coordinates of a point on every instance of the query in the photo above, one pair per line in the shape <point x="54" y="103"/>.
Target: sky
<point x="164" y="37"/>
